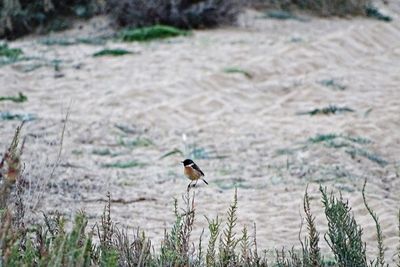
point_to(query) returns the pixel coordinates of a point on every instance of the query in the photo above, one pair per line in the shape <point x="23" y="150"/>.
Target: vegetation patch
<point x="17" y="99"/>
<point x="9" y="55"/>
<point x="69" y="41"/>
<point x="50" y="242"/>
<point x="353" y="144"/>
<point x="124" y="164"/>
<point x="354" y="152"/>
<point x="112" y="52"/>
<point x="332" y="84"/>
<point x="138" y="142"/>
<point x="238" y="70"/>
<point x="332" y="136"/>
<point x="20" y="17"/>
<point x="281" y="14"/>
<point x="373" y="12"/>
<point x="172" y="152"/>
<point x="226" y="184"/>
<point x="331" y="109"/>
<point x="8" y="116"/>
<point x="104" y="152"/>
<point x="181" y="14"/>
<point x="150" y="33"/>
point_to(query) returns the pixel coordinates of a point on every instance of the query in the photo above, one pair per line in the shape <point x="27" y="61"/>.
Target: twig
<point x="120" y="200"/>
<point x="57" y="162"/>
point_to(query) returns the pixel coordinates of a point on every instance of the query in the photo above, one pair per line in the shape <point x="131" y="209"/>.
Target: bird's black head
<point x="187" y="162"/>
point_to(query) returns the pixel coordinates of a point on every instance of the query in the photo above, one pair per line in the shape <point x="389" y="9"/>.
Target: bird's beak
<point x="181" y="161"/>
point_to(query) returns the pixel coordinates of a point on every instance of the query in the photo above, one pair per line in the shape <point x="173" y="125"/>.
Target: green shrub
<point x="344" y="234"/>
<point x="51" y="244"/>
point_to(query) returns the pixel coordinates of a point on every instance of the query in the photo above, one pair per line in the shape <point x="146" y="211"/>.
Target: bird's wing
<point x="197" y="169"/>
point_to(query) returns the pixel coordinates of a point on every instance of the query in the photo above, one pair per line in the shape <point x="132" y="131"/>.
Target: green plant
<point x="214" y="228"/>
<point x="238" y="70"/>
<point x="373" y="12"/>
<point x="151" y="33"/>
<point x="380" y="260"/>
<point x="327" y="111"/>
<point x="175" y="247"/>
<point x="11" y="53"/>
<point x="353" y="144"/>
<point x="344" y="235"/>
<point x="17" y="99"/>
<point x="228" y="239"/>
<point x="112" y="52"/>
<point x="354" y="152"/>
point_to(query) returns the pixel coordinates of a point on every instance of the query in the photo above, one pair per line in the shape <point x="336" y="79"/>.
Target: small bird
<point x="193" y="172"/>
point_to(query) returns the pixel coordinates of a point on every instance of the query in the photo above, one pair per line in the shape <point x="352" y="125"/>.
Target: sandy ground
<point x="242" y="131"/>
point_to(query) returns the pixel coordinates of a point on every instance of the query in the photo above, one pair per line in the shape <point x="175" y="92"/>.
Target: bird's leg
<point x="195" y="183"/>
<point x="189" y="185"/>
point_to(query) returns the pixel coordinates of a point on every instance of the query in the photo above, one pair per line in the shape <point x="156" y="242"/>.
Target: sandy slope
<point x="176" y="94"/>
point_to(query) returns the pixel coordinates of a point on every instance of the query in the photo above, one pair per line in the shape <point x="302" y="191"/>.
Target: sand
<point x="175" y="94"/>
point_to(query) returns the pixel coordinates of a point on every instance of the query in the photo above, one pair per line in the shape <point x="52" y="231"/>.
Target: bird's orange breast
<point x="191" y="173"/>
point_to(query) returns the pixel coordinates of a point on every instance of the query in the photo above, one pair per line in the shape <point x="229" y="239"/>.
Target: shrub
<point x="322" y="7"/>
<point x="184" y="14"/>
<point x="334" y="7"/>
<point x="344" y="234"/>
<point x="20" y="17"/>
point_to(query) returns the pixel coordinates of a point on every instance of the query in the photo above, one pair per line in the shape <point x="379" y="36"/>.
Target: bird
<point x="193" y="172"/>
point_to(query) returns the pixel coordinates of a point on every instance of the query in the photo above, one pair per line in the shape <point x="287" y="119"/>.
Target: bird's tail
<point x="204" y="181"/>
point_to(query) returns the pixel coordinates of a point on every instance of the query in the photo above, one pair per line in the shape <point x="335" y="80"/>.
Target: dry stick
<point x="120" y="200"/>
<point x="57" y="162"/>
